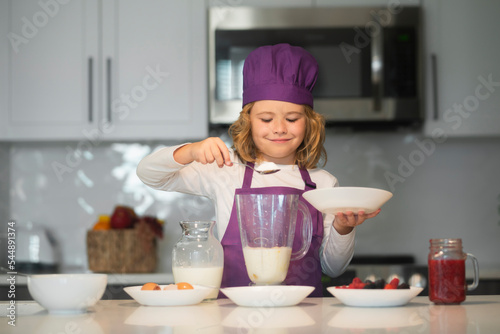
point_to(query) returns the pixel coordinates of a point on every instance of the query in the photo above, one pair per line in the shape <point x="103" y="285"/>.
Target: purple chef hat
<point x="279" y="72"/>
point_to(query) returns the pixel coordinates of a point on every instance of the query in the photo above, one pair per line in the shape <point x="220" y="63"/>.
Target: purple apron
<point x="306" y="271"/>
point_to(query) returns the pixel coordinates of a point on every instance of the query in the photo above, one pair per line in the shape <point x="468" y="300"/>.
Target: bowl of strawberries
<point x="375" y="294"/>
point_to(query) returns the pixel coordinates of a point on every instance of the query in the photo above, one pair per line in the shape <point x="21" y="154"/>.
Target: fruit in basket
<point x="154" y="224"/>
<point x="102" y="224"/>
<point x="123" y="217"/>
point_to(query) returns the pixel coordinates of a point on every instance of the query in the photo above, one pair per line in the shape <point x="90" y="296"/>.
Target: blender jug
<point x="267" y="225"/>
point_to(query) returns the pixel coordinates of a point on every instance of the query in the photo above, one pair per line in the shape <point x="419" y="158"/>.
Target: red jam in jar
<point x="447" y="281"/>
<point x="447" y="271"/>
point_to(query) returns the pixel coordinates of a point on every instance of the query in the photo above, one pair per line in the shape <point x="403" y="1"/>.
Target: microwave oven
<point x="370" y="62"/>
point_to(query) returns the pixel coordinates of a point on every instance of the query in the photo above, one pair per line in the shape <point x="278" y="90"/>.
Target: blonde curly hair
<point x="310" y="152"/>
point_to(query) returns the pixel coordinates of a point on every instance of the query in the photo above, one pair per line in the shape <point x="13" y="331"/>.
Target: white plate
<point x="268" y="296"/>
<point x="375" y="297"/>
<point x="343" y="199"/>
<point x="168" y="297"/>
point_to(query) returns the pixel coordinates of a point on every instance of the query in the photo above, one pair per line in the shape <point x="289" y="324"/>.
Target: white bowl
<point x="168" y="297"/>
<point x="67" y="293"/>
<point x="375" y="297"/>
<point x="343" y="199"/>
<point x="268" y="295"/>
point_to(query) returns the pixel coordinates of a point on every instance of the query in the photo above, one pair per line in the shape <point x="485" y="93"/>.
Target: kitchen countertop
<point x="478" y="314"/>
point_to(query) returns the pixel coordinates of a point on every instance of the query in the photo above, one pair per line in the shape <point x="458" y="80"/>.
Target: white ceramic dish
<point x="67" y="293"/>
<point x="375" y="297"/>
<point x="268" y="296"/>
<point x="343" y="199"/>
<point x="168" y="297"/>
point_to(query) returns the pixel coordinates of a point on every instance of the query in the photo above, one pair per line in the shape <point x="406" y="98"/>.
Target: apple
<point x="123" y="217"/>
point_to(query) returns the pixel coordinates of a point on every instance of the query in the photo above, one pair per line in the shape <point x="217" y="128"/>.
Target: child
<point x="277" y="124"/>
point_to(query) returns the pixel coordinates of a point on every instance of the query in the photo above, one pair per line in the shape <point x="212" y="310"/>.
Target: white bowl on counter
<point x="267" y="295"/>
<point x="168" y="297"/>
<point x="67" y="293"/>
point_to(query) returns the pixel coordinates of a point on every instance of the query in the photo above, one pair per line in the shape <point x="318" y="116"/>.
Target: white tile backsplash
<point x="69" y="203"/>
<point x="4" y="198"/>
<point x="450" y="189"/>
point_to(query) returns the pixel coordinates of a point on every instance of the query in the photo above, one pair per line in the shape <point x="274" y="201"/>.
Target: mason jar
<point x="446" y="262"/>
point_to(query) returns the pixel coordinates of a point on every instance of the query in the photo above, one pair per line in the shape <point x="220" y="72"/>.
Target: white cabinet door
<point x="49" y="59"/>
<point x="154" y="58"/>
<point x="103" y="70"/>
<point x="463" y="67"/>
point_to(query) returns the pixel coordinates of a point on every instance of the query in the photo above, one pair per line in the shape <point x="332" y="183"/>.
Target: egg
<point x="170" y="287"/>
<point x="150" y="286"/>
<point x="184" y="286"/>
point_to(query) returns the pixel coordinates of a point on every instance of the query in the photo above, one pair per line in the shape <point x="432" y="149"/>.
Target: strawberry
<point x="394" y="283"/>
<point x="357" y="283"/>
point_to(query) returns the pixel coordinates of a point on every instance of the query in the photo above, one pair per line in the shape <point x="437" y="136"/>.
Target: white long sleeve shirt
<point x="160" y="171"/>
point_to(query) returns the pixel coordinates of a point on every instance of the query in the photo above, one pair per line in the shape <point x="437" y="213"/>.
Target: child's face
<point x="278" y="128"/>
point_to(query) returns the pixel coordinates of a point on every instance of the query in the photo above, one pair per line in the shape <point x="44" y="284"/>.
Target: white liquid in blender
<point x="210" y="276"/>
<point x="267" y="265"/>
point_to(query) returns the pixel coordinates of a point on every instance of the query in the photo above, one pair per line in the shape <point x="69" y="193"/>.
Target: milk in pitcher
<point x="209" y="276"/>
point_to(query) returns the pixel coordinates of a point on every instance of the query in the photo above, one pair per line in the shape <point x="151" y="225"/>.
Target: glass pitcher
<point x="198" y="257"/>
<point x="267" y="227"/>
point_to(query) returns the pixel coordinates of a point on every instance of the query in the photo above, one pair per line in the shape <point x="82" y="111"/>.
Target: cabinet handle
<point x="435" y="111"/>
<point x="90" y="88"/>
<point x="377" y="71"/>
<point x="108" y="86"/>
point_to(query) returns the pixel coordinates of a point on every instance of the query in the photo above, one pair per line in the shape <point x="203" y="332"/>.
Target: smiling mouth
<point x="280" y="140"/>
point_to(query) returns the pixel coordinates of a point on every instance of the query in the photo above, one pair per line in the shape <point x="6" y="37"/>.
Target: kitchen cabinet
<point x="462" y="68"/>
<point x="44" y="64"/>
<point x="103" y="70"/>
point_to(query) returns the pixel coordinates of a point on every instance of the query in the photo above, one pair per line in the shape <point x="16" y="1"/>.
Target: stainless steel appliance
<point x="369" y="59"/>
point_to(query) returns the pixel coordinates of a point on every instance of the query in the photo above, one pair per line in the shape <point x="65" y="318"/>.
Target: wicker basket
<point x="120" y="251"/>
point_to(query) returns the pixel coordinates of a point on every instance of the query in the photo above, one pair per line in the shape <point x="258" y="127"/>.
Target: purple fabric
<point x="306" y="271"/>
<point x="279" y="72"/>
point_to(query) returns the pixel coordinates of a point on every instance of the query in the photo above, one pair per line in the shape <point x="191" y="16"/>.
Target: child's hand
<point x="206" y="151"/>
<point x="344" y="223"/>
